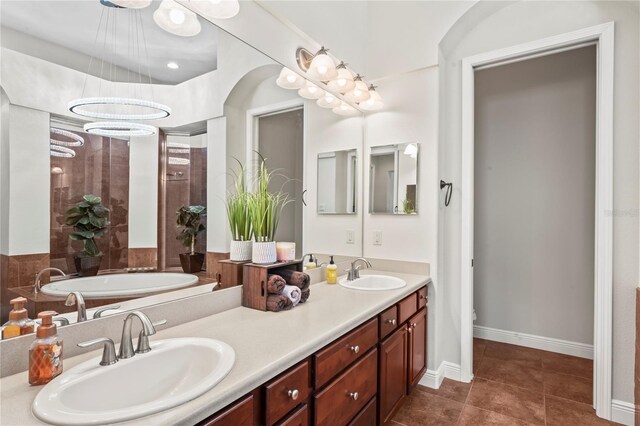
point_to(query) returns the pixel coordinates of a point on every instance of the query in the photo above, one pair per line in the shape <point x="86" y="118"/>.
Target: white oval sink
<point x="174" y="372"/>
<point x="120" y="285"/>
<point x="374" y="283"/>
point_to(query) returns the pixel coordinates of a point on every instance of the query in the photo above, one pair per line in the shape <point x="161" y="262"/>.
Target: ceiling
<point x="64" y="32"/>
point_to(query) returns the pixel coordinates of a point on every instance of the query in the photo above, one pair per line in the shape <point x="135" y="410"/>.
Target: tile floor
<point x="513" y="385"/>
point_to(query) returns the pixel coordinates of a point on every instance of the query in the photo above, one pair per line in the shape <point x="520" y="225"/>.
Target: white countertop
<point x="266" y="344"/>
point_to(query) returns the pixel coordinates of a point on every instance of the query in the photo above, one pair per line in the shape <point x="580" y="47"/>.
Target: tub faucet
<point x="354" y="272"/>
<point x="38" y="286"/>
<point x="75" y="297"/>
<point x="126" y="343"/>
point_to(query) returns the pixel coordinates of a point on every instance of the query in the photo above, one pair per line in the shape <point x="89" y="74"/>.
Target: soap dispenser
<point x="45" y="353"/>
<point x="311" y="264"/>
<point x="19" y="322"/>
<point x="332" y="272"/>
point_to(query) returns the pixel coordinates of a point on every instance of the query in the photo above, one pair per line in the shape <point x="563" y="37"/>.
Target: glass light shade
<point x="359" y="93"/>
<point x="411" y="150"/>
<point x="343" y="82"/>
<point x="289" y="79"/>
<point x="345" y="109"/>
<point x="311" y="91"/>
<point x="322" y="67"/>
<point x="328" y="101"/>
<point x="132" y="4"/>
<point x="217" y="9"/>
<point x="374" y="103"/>
<point x="176" y="19"/>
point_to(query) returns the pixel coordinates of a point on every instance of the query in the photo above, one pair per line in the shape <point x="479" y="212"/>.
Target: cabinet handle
<point x="353" y="395"/>
<point x="293" y="394"/>
<point x="409" y="329"/>
<point x="414" y="325"/>
<point x="355" y="349"/>
<point x="422" y="296"/>
<point x="391" y="321"/>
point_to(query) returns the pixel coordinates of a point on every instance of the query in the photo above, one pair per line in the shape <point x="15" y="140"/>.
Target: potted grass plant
<point x="188" y="218"/>
<point x="265" y="209"/>
<point x="238" y="216"/>
<point x="89" y="219"/>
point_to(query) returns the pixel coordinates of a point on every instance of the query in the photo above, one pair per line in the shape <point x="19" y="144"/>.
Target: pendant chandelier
<point x="62" y="142"/>
<point x="118" y="116"/>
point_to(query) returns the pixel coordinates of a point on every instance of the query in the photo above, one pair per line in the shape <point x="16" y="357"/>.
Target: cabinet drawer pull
<point x="414" y="325"/>
<point x="409" y="329"/>
<point x="355" y="349"/>
<point x="422" y="296"/>
<point x="293" y="394"/>
<point x="353" y="395"/>
<point x="391" y="321"/>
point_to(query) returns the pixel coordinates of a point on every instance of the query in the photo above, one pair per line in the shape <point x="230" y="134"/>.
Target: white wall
<point x="491" y="27"/>
<point x="218" y="235"/>
<point x="4" y="172"/>
<point x="534" y="194"/>
<point x="143" y="192"/>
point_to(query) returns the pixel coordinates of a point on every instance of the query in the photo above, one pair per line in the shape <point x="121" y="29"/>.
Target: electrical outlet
<point x="350" y="236"/>
<point x="377" y="238"/>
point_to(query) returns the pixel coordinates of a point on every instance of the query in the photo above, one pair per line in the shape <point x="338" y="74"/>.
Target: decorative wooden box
<point x="230" y="274"/>
<point x="254" y="282"/>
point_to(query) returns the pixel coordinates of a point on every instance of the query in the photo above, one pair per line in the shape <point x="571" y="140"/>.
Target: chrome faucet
<point x="75" y="297"/>
<point x="99" y="312"/>
<point x="126" y="343"/>
<point x="354" y="272"/>
<point x="108" y="353"/>
<point x="38" y="286"/>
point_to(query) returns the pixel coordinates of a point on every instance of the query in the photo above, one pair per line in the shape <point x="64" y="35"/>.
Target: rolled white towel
<point x="293" y="293"/>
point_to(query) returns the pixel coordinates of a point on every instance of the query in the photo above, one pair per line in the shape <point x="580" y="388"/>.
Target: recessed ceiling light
<point x="173" y="65"/>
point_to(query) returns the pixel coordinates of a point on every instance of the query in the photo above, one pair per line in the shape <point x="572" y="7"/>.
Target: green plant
<point x="265" y="207"/>
<point x="188" y="217"/>
<point x="89" y="219"/>
<point x="407" y="206"/>
<point x="238" y="208"/>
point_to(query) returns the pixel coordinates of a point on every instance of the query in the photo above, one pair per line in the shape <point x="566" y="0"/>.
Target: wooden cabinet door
<point x="393" y="374"/>
<point x="239" y="413"/>
<point x="417" y="329"/>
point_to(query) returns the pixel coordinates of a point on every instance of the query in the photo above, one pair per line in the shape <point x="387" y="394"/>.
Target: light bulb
<point x="360" y="92"/>
<point x="374" y="103"/>
<point x="291" y="78"/>
<point x="176" y="19"/>
<point x="177" y="16"/>
<point x="344" y="81"/>
<point x="311" y="91"/>
<point x="322" y="67"/>
<point x="328" y="101"/>
<point x="345" y="109"/>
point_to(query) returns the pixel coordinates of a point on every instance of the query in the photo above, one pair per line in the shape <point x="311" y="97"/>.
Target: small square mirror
<point x="337" y="182"/>
<point x="393" y="179"/>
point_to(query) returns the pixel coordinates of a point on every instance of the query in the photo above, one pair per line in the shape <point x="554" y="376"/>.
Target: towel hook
<point x="447" y="196"/>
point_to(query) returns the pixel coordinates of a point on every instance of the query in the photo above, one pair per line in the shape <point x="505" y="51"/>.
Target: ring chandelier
<point x="119" y="129"/>
<point x="177" y="161"/>
<point x="78" y="106"/>
<point x="76" y="140"/>
<point x="61" y="151"/>
<point x="178" y="148"/>
<point x="336" y="79"/>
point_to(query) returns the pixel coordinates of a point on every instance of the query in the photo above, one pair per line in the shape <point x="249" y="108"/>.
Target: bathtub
<point x="120" y="285"/>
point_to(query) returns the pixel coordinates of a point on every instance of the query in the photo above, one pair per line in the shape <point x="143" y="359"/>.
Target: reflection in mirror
<point x="393" y="179"/>
<point x="337" y="187"/>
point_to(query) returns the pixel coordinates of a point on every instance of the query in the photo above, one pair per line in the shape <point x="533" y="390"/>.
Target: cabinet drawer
<point x="285" y="392"/>
<point x="366" y="416"/>
<point x="340" y="354"/>
<point x="388" y="321"/>
<point x="407" y="307"/>
<point x="344" y="397"/>
<point x="239" y="413"/>
<point x="422" y="298"/>
<point x="300" y="417"/>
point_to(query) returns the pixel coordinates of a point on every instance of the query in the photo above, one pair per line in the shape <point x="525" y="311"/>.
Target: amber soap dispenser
<point x="45" y="354"/>
<point x="19" y="322"/>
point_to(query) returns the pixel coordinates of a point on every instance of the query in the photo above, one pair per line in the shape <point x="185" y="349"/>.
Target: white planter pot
<point x="264" y="252"/>
<point x="240" y="251"/>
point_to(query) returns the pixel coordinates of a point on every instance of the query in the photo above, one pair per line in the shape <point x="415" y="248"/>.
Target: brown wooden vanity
<point x="359" y="379"/>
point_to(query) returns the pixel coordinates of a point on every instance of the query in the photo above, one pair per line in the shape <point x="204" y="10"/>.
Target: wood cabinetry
<point x="359" y="379"/>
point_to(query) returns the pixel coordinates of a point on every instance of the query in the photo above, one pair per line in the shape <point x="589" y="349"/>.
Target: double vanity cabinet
<point x="359" y="379"/>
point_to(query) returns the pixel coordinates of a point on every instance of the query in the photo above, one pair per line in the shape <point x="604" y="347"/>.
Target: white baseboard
<point x="623" y="412"/>
<point x="532" y="341"/>
<point x="433" y="378"/>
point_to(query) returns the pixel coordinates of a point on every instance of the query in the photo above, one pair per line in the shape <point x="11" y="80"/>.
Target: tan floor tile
<point x="510" y="372"/>
<point x="567" y="364"/>
<point x="472" y="416"/>
<point x="424" y="409"/>
<point x="450" y="389"/>
<point x="562" y="412"/>
<point x="565" y="386"/>
<point x="508" y="400"/>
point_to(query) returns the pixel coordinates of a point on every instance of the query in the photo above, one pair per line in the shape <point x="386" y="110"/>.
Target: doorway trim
<point x="603" y="36"/>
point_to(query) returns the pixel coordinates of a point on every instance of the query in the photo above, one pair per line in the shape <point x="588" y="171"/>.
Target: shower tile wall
<point x="100" y="167"/>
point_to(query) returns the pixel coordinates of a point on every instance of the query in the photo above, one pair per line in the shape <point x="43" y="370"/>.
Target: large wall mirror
<point x="393" y="179"/>
<point x="337" y="182"/>
<point x="225" y="103"/>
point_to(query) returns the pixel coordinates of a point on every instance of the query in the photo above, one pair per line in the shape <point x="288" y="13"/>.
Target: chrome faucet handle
<point x="108" y="353"/>
<point x="99" y="312"/>
<point x="143" y="340"/>
<point x="75" y="297"/>
<point x="126" y="344"/>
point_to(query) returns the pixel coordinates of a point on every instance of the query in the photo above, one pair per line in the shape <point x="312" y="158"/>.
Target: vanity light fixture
<point x="321" y="67"/>
<point x="344" y="81"/>
<point x="360" y="92"/>
<point x="374" y="103"/>
<point x="76" y="140"/>
<point x="311" y="91"/>
<point x="131" y="4"/>
<point x="290" y="80"/>
<point x="176" y="19"/>
<point x="217" y="9"/>
<point x="345" y="109"/>
<point x="172" y="65"/>
<point x="328" y="101"/>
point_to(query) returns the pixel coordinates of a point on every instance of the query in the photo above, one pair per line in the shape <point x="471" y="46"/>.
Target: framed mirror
<point x="337" y="182"/>
<point x="393" y="179"/>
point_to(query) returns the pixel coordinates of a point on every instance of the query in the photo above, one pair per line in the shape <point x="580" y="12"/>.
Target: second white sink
<point x="174" y="372"/>
<point x="374" y="283"/>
